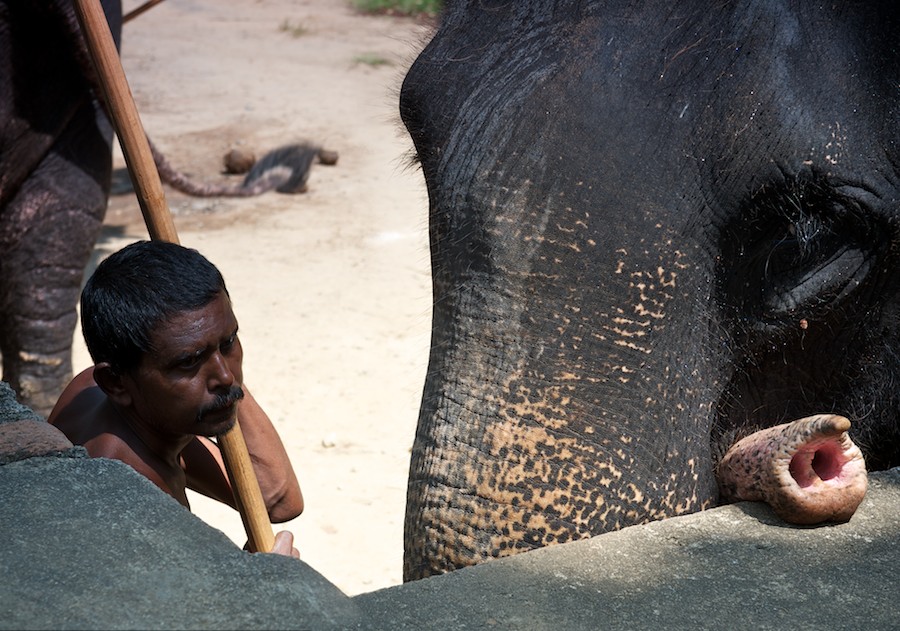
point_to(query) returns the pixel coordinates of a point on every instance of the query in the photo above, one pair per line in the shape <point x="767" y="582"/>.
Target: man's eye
<point x="189" y="362"/>
<point x="228" y="344"/>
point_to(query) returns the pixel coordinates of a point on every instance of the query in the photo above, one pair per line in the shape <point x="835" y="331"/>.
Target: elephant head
<point x="655" y="229"/>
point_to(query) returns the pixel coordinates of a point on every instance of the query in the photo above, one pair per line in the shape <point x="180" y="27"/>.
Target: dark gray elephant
<point x="55" y="166"/>
<point x="655" y="228"/>
<point x="55" y="169"/>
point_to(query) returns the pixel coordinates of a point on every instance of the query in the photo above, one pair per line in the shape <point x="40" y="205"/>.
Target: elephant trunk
<point x="808" y="471"/>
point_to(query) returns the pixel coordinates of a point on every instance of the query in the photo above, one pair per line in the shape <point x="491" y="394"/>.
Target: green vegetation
<point x="400" y="7"/>
<point x="294" y="30"/>
<point x="372" y="59"/>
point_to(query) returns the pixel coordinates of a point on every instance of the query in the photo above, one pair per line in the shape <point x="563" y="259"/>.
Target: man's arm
<point x="205" y="469"/>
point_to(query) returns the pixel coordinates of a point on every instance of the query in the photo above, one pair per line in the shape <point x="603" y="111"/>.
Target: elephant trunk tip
<point x="825" y="463"/>
<point x="809" y="471"/>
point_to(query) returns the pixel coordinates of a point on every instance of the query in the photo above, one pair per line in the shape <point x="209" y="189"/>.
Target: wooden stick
<point x="249" y="501"/>
<point x="126" y="121"/>
<point x="136" y="148"/>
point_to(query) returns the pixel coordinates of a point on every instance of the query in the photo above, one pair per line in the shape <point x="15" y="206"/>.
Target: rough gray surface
<point x="11" y="410"/>
<point x="91" y="544"/>
<point x="734" y="567"/>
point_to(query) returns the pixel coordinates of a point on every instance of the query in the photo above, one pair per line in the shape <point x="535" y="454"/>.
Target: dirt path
<point x="331" y="287"/>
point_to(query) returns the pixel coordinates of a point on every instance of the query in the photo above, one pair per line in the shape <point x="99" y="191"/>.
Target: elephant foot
<point x="808" y="471"/>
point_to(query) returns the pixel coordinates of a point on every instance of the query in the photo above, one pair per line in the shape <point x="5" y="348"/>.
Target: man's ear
<point x="112" y="384"/>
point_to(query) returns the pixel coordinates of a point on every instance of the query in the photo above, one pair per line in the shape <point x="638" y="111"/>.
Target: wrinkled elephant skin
<point x="656" y="228"/>
<point x="55" y="169"/>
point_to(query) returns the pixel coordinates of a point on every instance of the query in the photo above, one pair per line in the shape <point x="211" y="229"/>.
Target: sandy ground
<point x="331" y="287"/>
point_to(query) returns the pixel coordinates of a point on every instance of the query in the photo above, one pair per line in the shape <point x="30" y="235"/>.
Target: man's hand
<point x="284" y="544"/>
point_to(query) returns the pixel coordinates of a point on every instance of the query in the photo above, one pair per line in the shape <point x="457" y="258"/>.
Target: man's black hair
<point x="136" y="289"/>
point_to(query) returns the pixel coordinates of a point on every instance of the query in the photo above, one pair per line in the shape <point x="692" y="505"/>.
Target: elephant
<point x="55" y="170"/>
<point x="656" y="229"/>
<point x="55" y="178"/>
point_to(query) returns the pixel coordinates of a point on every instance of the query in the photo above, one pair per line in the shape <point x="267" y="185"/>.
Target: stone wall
<point x="89" y="543"/>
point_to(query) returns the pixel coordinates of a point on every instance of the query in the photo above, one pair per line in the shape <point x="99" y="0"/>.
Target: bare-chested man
<point x="158" y="323"/>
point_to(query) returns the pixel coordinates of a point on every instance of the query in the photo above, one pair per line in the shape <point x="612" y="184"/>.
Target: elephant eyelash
<point x="798" y="241"/>
<point x="804" y="232"/>
<point x="814" y="227"/>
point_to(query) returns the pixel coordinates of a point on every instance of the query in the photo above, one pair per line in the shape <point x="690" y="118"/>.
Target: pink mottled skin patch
<point x="30" y="438"/>
<point x="808" y="471"/>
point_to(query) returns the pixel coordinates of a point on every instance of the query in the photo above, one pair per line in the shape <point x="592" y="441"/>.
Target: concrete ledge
<point x="91" y="544"/>
<point x="734" y="567"/>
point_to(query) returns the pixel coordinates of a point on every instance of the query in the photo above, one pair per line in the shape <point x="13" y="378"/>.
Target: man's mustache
<point x="223" y="400"/>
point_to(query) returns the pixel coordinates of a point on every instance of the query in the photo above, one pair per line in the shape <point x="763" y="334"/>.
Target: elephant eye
<point x="796" y="251"/>
<point x="814" y="261"/>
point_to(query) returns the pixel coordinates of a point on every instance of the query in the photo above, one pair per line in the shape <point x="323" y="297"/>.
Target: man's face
<point x="190" y="382"/>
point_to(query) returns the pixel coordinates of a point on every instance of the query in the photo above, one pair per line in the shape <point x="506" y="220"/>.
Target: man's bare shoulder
<point x="84" y="414"/>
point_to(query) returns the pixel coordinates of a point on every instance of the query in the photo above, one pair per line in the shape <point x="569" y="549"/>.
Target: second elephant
<point x="55" y="169"/>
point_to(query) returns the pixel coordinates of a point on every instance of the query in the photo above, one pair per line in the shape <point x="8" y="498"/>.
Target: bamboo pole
<point x="148" y="187"/>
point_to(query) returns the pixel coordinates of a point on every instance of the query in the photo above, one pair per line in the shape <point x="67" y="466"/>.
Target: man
<point x="158" y="323"/>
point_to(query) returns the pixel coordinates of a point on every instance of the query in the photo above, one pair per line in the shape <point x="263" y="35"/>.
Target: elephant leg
<point x="47" y="234"/>
<point x="809" y="471"/>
